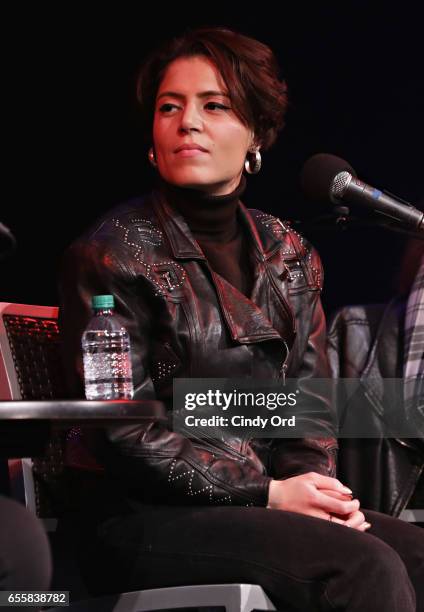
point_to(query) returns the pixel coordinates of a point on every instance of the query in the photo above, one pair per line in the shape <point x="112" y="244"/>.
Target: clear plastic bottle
<point x="106" y="353"/>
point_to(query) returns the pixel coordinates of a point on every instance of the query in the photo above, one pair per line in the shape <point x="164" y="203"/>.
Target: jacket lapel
<point x="266" y="315"/>
<point x="245" y="320"/>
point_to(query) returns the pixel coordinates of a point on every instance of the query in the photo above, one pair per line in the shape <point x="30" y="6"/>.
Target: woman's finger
<point x="337" y="494"/>
<point x="335" y="506"/>
<point x="355" y="519"/>
<point x="327" y="482"/>
<point x="364" y="527"/>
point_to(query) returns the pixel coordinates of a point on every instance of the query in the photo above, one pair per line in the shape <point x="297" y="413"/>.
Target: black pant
<point x="302" y="563"/>
<point x="25" y="560"/>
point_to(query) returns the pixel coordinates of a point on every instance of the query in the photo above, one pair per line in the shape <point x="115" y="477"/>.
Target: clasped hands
<point x="316" y="495"/>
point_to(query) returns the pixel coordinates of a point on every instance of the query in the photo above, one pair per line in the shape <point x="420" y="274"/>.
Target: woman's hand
<point x="356" y="520"/>
<point x="316" y="495"/>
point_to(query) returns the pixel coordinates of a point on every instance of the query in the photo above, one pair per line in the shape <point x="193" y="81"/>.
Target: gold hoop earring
<point x="253" y="162"/>
<point x="152" y="157"/>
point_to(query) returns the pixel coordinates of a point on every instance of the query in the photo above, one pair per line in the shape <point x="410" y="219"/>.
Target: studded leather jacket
<point x="185" y="320"/>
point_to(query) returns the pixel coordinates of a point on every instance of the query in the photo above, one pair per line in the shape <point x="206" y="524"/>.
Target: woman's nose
<point x="190" y="119"/>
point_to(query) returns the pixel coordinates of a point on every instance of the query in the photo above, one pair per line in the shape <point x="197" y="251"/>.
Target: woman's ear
<point x="252" y="141"/>
<point x="254" y="144"/>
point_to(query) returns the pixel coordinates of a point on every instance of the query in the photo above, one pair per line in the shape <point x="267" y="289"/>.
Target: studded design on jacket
<point x="185" y="320"/>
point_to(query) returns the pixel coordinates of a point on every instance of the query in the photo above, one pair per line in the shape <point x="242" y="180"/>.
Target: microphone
<point x="326" y="177"/>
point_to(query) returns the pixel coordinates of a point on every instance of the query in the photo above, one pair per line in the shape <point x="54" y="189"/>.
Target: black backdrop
<point x="355" y="77"/>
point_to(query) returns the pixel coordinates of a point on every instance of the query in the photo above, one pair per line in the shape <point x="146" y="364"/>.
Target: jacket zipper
<point x="191" y="332"/>
<point x="213" y="444"/>
<point x="283" y="368"/>
<point x="281" y="298"/>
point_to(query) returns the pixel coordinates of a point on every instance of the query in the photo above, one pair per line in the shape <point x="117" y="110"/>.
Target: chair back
<point x="30" y="369"/>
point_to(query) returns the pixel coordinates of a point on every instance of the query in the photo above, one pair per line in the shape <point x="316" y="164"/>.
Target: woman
<point x="205" y="288"/>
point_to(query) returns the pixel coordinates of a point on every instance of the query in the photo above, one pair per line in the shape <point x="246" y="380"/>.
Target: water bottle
<point x="106" y="353"/>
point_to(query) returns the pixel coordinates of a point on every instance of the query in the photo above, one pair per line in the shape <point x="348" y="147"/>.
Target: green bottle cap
<point x="99" y="302"/>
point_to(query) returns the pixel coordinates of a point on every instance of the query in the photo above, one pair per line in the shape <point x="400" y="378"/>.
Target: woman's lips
<point x="190" y="152"/>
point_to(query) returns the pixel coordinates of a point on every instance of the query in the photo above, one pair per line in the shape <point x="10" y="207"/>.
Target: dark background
<point x="72" y="146"/>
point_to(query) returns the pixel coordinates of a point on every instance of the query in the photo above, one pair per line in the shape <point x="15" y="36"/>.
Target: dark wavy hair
<point x="248" y="67"/>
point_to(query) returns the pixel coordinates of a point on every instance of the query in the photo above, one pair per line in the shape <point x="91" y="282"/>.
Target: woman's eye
<point x="216" y="106"/>
<point x="167" y="107"/>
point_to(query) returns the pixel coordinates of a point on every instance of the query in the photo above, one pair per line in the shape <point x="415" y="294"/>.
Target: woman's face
<point x="199" y="141"/>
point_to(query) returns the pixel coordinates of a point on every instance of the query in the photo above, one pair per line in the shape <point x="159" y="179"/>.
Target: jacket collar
<point x="184" y="245"/>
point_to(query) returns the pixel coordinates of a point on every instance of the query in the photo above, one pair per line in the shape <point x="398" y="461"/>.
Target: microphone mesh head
<point x="339" y="184"/>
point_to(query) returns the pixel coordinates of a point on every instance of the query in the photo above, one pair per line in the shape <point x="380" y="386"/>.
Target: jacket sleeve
<point x="150" y="460"/>
<point x="318" y="452"/>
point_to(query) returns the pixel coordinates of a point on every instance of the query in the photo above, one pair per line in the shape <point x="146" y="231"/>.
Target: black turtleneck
<point x="214" y="223"/>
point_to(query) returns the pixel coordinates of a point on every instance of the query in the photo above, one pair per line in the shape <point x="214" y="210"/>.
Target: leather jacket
<point x="185" y="320"/>
<point x="365" y="342"/>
